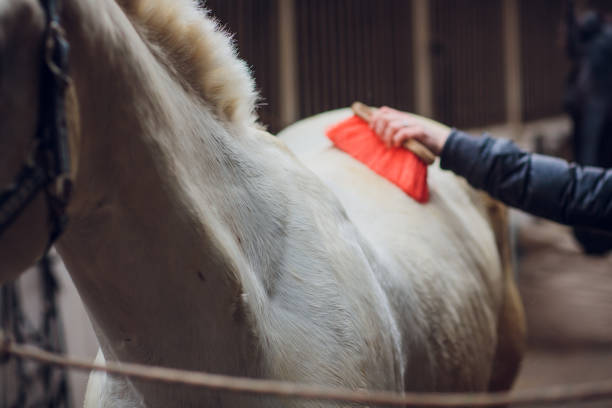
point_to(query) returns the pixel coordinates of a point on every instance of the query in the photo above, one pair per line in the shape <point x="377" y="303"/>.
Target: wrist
<point x="436" y="140"/>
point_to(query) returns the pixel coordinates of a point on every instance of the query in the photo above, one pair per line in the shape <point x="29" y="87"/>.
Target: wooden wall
<point x="255" y="25"/>
<point x="354" y="50"/>
<point x="348" y="50"/>
<point x="605" y="6"/>
<point x="544" y="65"/>
<point x="467" y="62"/>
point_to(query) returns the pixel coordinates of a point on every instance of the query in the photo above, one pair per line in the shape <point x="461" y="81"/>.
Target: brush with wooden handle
<point x="404" y="167"/>
<point x="416" y="147"/>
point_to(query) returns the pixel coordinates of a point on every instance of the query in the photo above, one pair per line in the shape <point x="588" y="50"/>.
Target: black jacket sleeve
<point x="541" y="185"/>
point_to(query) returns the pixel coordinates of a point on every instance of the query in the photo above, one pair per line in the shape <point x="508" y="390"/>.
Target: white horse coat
<point x="198" y="241"/>
<point x="437" y="263"/>
<point x="374" y="290"/>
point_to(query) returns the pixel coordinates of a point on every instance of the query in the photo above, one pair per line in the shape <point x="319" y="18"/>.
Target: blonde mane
<point x="201" y="53"/>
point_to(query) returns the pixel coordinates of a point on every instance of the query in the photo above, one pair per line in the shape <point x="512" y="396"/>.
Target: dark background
<point x="363" y="50"/>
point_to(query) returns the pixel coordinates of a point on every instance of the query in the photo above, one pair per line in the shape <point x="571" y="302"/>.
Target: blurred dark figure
<point x="588" y="101"/>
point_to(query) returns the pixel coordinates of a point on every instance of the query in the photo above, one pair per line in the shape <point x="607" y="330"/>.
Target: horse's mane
<point x="201" y="53"/>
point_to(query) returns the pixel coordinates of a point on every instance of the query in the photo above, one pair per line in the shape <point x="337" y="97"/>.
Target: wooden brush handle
<point x="416" y="147"/>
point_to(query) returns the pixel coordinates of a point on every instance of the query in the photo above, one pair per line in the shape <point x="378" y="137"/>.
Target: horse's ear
<point x="572" y="30"/>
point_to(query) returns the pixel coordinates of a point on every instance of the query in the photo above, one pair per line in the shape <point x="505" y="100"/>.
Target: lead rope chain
<point x="22" y="383"/>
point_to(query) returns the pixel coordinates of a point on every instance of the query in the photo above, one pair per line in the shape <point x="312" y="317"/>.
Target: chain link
<point x="34" y="385"/>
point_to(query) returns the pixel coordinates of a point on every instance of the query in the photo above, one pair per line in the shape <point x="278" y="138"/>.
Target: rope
<point x="550" y="395"/>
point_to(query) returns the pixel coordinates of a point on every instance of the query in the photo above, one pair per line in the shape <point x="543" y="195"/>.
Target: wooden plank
<point x="357" y="50"/>
<point x="256" y="29"/>
<point x="467" y="65"/>
<point x="544" y="66"/>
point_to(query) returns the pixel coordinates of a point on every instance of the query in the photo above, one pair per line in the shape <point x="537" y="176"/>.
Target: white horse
<point x="200" y="242"/>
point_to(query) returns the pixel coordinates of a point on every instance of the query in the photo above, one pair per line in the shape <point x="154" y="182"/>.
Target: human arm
<point x="541" y="185"/>
<point x="544" y="186"/>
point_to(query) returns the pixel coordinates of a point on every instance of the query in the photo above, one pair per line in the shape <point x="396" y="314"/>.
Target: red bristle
<point x="400" y="166"/>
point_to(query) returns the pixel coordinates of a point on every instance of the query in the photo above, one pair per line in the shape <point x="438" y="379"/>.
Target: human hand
<point x="396" y="127"/>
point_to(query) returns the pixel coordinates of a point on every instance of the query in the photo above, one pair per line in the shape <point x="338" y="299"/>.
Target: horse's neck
<point x="154" y="243"/>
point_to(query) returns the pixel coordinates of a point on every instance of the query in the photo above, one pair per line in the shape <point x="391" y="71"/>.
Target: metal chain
<point x="33" y="385"/>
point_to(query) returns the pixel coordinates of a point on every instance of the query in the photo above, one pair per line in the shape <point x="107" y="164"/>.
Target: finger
<point x="407" y="133"/>
<point x="384" y="120"/>
<point x="392" y="127"/>
<point x="375" y="120"/>
<point x="387" y="114"/>
<point x="386" y="109"/>
<point x="380" y="125"/>
<point x="376" y="114"/>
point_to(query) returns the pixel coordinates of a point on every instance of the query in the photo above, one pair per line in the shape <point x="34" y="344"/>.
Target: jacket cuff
<point x="446" y="159"/>
<point x="552" y="188"/>
<point x="459" y="152"/>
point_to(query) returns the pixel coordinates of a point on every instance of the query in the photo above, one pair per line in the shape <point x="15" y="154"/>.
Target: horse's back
<point x="441" y="267"/>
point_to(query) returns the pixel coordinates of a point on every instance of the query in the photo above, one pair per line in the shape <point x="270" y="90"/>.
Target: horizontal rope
<point x="544" y="396"/>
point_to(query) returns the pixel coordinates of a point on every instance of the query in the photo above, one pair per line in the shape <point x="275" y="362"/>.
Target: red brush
<point x="404" y="166"/>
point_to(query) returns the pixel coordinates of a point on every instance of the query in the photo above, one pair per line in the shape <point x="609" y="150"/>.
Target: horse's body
<point x="198" y="241"/>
